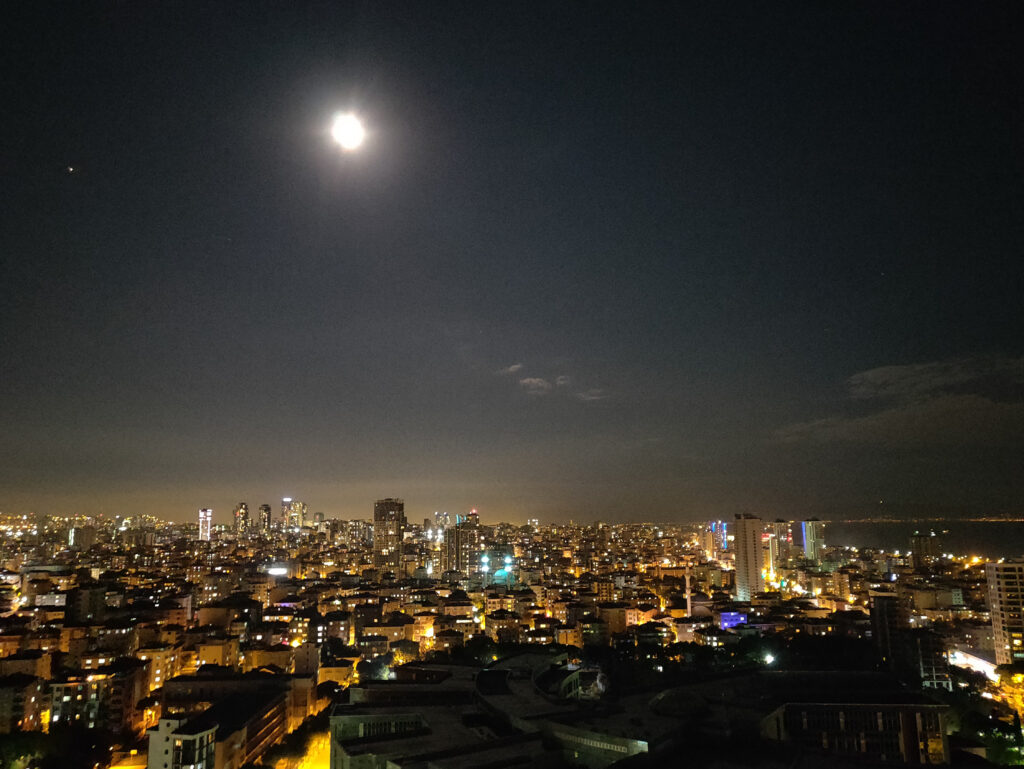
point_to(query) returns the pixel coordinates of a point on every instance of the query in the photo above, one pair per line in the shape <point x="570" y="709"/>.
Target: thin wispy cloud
<point x="594" y="394"/>
<point x="535" y="385"/>
<point x="515" y="368"/>
<point x="563" y="381"/>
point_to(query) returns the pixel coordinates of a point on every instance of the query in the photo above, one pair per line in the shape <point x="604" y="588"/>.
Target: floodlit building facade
<point x="1006" y="603"/>
<point x="749" y="556"/>
<point x="205" y="524"/>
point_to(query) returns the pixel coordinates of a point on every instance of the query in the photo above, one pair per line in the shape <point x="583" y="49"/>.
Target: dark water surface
<point x="994" y="539"/>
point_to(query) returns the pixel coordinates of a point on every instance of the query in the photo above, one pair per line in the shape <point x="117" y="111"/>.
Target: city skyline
<point x="526" y="385"/>
<point x="664" y="262"/>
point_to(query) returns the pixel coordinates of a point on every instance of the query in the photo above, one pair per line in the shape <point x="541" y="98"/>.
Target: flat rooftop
<point x="453" y="731"/>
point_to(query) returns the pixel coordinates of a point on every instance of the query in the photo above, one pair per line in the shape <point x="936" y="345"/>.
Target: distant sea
<point x="994" y="539"/>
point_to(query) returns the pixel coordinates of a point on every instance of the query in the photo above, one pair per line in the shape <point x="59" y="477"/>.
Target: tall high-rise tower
<point x="265" y="516"/>
<point x="890" y="616"/>
<point x="205" y="524"/>
<point x="293" y="513"/>
<point x="1006" y="604"/>
<point x="780" y="545"/>
<point x="462" y="545"/>
<point x="716" y="540"/>
<point x="388" y="533"/>
<point x="242" y="519"/>
<point x="926" y="548"/>
<point x="747" y="532"/>
<point x="813" y="539"/>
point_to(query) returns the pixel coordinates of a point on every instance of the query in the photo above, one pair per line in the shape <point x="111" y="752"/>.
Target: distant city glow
<point x="348" y="131"/>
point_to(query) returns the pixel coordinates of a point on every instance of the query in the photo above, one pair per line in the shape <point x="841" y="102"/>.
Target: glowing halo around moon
<point x="347" y="130"/>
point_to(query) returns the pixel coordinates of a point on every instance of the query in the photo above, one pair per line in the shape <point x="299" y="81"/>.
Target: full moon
<point x="348" y="131"/>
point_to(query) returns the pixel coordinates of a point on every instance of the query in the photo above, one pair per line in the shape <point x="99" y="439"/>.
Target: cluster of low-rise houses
<point x="205" y="652"/>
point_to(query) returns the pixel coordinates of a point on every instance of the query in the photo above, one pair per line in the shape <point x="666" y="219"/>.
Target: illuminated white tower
<point x="749" y="556"/>
<point x="1006" y="602"/>
<point x="205" y="524"/>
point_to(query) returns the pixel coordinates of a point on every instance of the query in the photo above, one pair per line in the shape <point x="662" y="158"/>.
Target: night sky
<point x="624" y="262"/>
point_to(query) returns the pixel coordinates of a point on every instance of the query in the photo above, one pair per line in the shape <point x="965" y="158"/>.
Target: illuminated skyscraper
<point x="813" y="536"/>
<point x="300" y="514"/>
<point x="780" y="545"/>
<point x="388" y="533"/>
<point x="462" y="543"/>
<point x="242" y="519"/>
<point x="747" y="532"/>
<point x="293" y="513"/>
<point x="450" y="550"/>
<point x="716" y="540"/>
<point x="1006" y="603"/>
<point x="205" y="524"/>
<point x="265" y="516"/>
